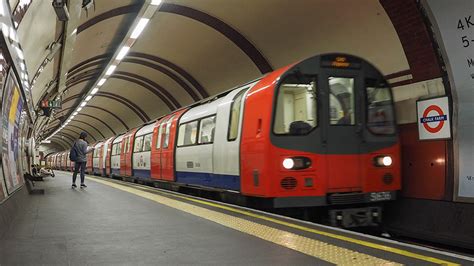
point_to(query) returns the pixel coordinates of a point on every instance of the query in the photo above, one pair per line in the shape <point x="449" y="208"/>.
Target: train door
<point x="156" y="149"/>
<point x="167" y="149"/>
<point x="342" y="127"/>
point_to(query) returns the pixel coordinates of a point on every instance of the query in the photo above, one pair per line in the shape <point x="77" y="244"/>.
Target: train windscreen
<point x="296" y="112"/>
<point x="380" y="114"/>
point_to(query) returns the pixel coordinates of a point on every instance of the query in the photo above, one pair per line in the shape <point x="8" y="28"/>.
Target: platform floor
<point x="117" y="223"/>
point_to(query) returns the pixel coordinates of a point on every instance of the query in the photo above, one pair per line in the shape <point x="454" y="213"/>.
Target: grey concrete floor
<point x="104" y="226"/>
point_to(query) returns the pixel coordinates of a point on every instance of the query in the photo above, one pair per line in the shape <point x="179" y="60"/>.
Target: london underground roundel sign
<point x="433" y="119"/>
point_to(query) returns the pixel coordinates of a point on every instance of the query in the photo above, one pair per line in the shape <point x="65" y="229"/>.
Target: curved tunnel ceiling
<point x="191" y="50"/>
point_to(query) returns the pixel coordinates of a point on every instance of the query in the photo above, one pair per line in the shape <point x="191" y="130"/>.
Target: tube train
<point x="320" y="132"/>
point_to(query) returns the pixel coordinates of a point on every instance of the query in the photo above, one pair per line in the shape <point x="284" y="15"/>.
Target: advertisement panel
<point x="12" y="107"/>
<point x="453" y="24"/>
<point x="3" y="188"/>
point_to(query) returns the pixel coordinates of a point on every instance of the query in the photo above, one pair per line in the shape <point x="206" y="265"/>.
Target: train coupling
<point x="356" y="217"/>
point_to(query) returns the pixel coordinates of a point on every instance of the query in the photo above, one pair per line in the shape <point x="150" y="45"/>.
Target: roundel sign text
<point x="433" y="119"/>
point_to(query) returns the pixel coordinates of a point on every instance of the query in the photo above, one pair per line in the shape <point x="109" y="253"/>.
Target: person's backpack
<point x="73" y="153"/>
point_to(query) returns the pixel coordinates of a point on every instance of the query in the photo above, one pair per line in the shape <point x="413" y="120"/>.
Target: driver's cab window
<point x="296" y="106"/>
<point x="341" y="101"/>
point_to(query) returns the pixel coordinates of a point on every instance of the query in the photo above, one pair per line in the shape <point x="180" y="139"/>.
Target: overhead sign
<point x="433" y="119"/>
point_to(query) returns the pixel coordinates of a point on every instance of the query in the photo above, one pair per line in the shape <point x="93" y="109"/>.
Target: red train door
<point x="169" y="136"/>
<point x="127" y="153"/>
<point x="342" y="128"/>
<point x="90" y="161"/>
<point x="155" y="159"/>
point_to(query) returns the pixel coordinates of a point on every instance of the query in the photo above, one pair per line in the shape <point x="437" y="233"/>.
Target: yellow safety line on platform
<point x="305" y="245"/>
<point x="315" y="231"/>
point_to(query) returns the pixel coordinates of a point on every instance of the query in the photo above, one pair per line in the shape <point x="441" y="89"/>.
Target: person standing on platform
<point x="81" y="151"/>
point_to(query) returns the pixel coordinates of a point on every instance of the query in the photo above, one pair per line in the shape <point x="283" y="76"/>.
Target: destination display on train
<point x="340" y="61"/>
<point x="454" y="29"/>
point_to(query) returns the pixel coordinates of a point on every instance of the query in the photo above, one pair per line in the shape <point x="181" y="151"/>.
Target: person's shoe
<point x="83" y="185"/>
<point x="74" y="186"/>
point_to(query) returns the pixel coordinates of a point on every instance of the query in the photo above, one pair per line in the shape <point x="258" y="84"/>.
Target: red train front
<point x="322" y="132"/>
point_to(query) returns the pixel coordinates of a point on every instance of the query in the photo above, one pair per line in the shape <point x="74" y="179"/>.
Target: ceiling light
<point x="79" y="109"/>
<point x="139" y="28"/>
<point x="22" y="65"/>
<point x="72" y="116"/>
<point x="155" y="2"/>
<point x="88" y="98"/>
<point x="123" y="52"/>
<point x="75" y="113"/>
<point x="110" y="70"/>
<point x="83" y="104"/>
<point x="94" y="91"/>
<point x="101" y="82"/>
<point x="19" y="52"/>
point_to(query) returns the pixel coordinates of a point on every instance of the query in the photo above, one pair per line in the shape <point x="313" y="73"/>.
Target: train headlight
<point x="383" y="161"/>
<point x="296" y="163"/>
<point x="288" y="163"/>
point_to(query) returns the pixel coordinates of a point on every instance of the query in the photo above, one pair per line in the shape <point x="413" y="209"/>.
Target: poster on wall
<point x="12" y="107"/>
<point x="454" y="29"/>
<point x="3" y="188"/>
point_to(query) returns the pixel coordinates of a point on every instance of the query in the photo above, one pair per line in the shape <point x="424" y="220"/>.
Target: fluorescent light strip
<point x="110" y="70"/>
<point x="155" y="2"/>
<point x="139" y="28"/>
<point x="75" y="113"/>
<point x="88" y="98"/>
<point x="123" y="52"/>
<point x="79" y="109"/>
<point x="101" y="82"/>
<point x="94" y="91"/>
<point x="83" y="104"/>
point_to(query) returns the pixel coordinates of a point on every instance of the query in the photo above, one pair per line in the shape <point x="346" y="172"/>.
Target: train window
<point x="207" y="129"/>
<point x="147" y="142"/>
<point x="167" y="133"/>
<point x="125" y="145"/>
<point x="187" y="133"/>
<point x="160" y="132"/>
<point x="114" y="147"/>
<point x="296" y="106"/>
<point x="341" y="101"/>
<point x="235" y="116"/>
<point x="380" y="115"/>
<point x="138" y="144"/>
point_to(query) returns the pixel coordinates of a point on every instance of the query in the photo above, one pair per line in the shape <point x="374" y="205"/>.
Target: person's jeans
<point x="77" y="166"/>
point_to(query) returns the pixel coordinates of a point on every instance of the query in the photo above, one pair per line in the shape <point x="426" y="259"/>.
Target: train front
<point x="329" y="139"/>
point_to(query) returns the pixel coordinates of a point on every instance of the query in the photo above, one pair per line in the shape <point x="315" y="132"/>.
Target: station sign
<point x="433" y="119"/>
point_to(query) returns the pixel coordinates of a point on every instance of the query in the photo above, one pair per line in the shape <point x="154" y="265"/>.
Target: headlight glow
<point x="387" y="161"/>
<point x="288" y="163"/>
<point x="383" y="161"/>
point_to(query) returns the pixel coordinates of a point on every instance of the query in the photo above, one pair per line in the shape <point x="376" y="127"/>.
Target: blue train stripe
<point x="231" y="182"/>
<point x="141" y="173"/>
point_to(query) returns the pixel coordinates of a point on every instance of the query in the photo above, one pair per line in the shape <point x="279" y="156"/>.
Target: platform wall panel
<point x="424" y="172"/>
